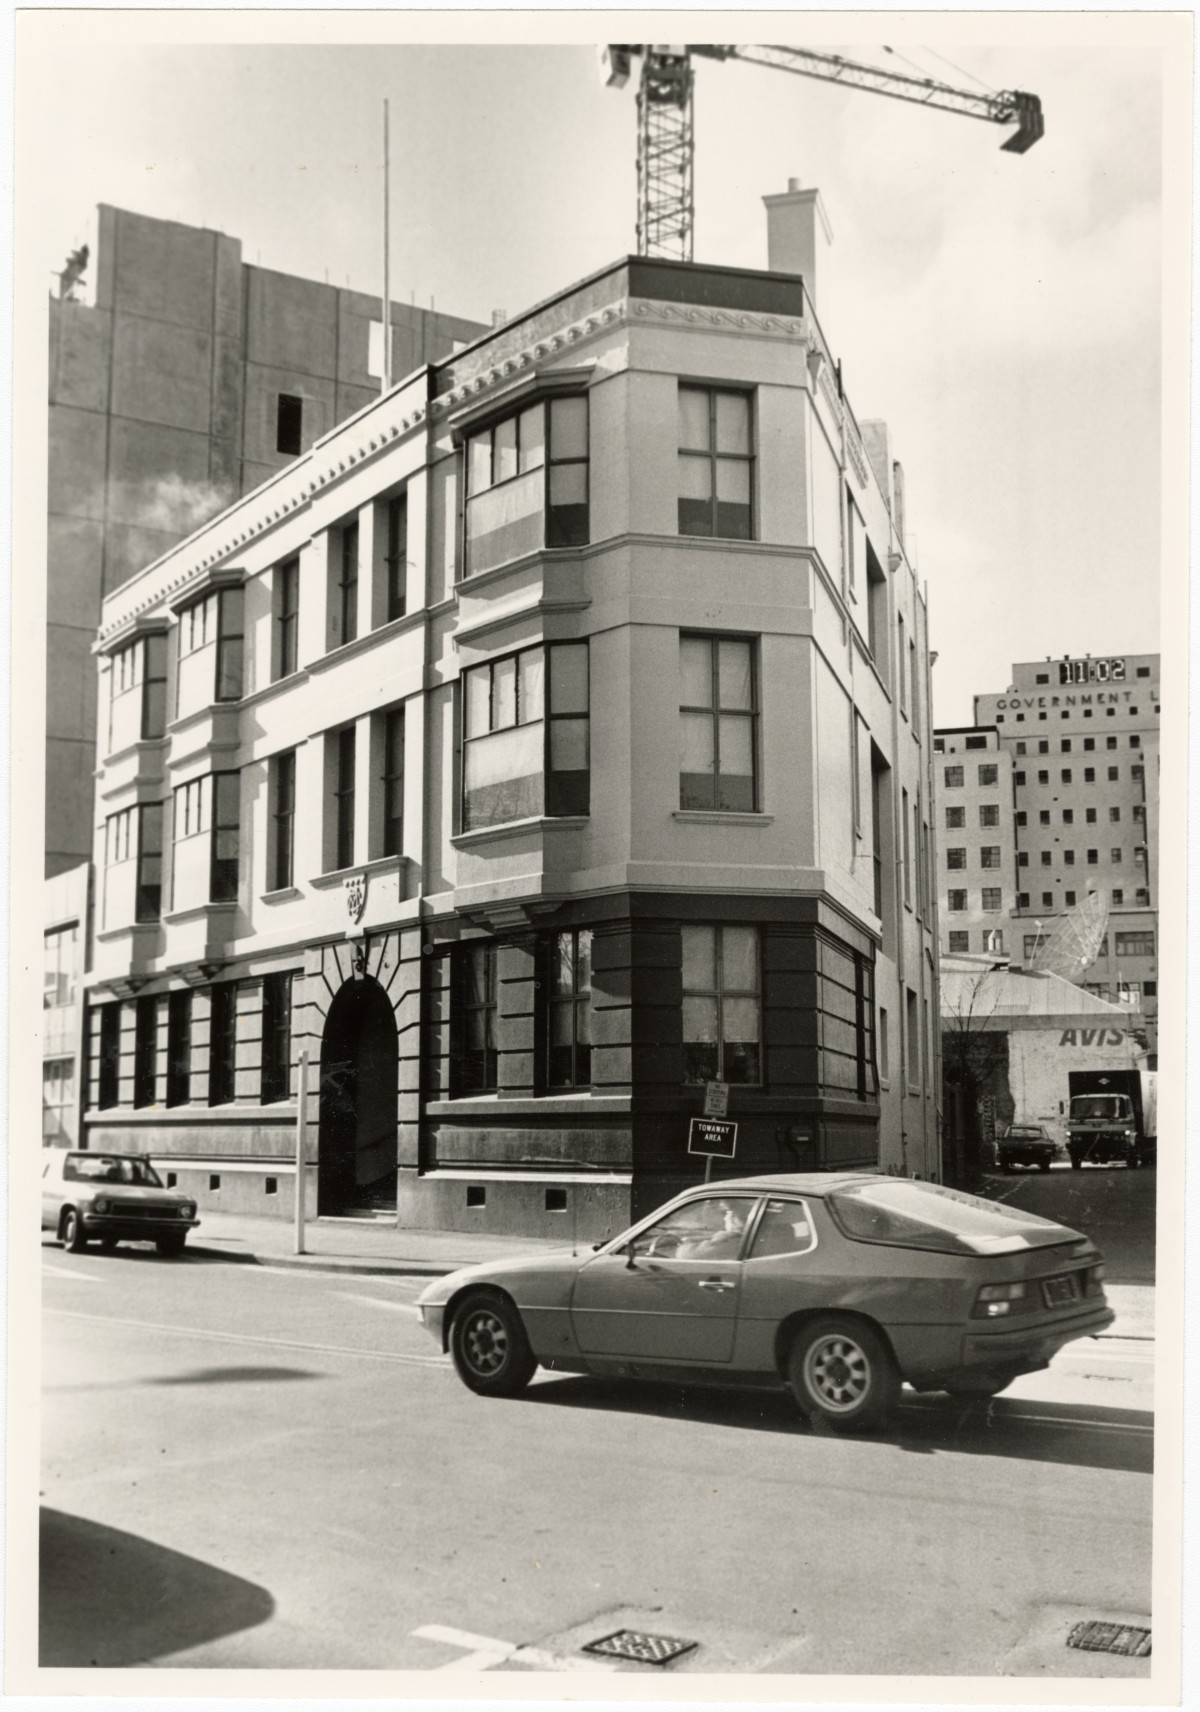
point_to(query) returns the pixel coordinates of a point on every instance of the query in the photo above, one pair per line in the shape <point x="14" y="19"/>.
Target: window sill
<point x="513" y="828"/>
<point x="282" y="895"/>
<point x="721" y="817"/>
<point x="335" y="877"/>
<point x="197" y="911"/>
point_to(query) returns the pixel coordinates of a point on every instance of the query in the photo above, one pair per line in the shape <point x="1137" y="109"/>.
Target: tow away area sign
<point x="713" y="1137"/>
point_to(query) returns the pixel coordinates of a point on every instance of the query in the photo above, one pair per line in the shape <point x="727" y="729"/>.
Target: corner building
<point x="549" y="739"/>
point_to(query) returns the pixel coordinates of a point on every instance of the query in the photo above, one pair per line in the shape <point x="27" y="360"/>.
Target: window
<point x="975" y="743"/>
<point x="989" y="774"/>
<point x="1043" y="745"/>
<point x="1114" y="814"/>
<point x="1047" y="900"/>
<point x="58" y="1096"/>
<point x="1068" y="898"/>
<point x="1114" y="855"/>
<point x="475" y="1019"/>
<point x="854" y="534"/>
<point x="276" y="1037"/>
<point x="1018" y="778"/>
<point x="1065" y="745"/>
<point x="285" y="596"/>
<point x="58" y="965"/>
<point x="1047" y="858"/>
<point x="785" y="1228"/>
<point x="118" y="838"/>
<point x="217" y="621"/>
<point x="1069" y="858"/>
<point x="1093" y="857"/>
<point x="1022" y="858"/>
<point x="1068" y="817"/>
<point x="517" y="763"/>
<point x="149" y="871"/>
<point x="396" y="557"/>
<point x="139" y="684"/>
<point x="222" y="1043"/>
<point x="1089" y="775"/>
<point x="281" y="787"/>
<point x="1089" y="815"/>
<point x="956" y="858"/>
<point x="1110" y="742"/>
<point x="347" y="583"/>
<point x="1043" y="817"/>
<point x="108" y="1092"/>
<point x="877" y="615"/>
<point x="1042" y="678"/>
<point x="906" y="845"/>
<point x="991" y="899"/>
<point x="884" y="1048"/>
<point x="721" y="1005"/>
<point x="912" y="1041"/>
<point x="344" y="798"/>
<point x="1137" y="772"/>
<point x="1020" y="748"/>
<point x="289" y="424"/>
<point x="1135" y="944"/>
<point x="569" y="1010"/>
<point x="1143" y="671"/>
<point x="960" y="939"/>
<point x="520" y="499"/>
<point x="956" y="817"/>
<point x="993" y="940"/>
<point x="953" y="777"/>
<point x="1118" y="896"/>
<point x="1135" y="741"/>
<point x="1043" y="776"/>
<point x="989" y="814"/>
<point x="1150" y="989"/>
<point x="716" y="463"/>
<point x="145" y="1051"/>
<point x="717" y="715"/>
<point x="1066" y="775"/>
<point x="901" y="657"/>
<point x="1022" y="900"/>
<point x="989" y="856"/>
<point x="226" y="837"/>
<point x="393" y="782"/>
<point x="1114" y="773"/>
<point x="179" y="1048"/>
<point x="956" y="900"/>
<point x="1139" y="811"/>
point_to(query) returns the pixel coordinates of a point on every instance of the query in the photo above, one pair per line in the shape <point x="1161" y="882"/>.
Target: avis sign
<point x="1092" y="1037"/>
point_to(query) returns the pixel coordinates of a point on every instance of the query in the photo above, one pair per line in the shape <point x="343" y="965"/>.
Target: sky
<point x="1002" y="313"/>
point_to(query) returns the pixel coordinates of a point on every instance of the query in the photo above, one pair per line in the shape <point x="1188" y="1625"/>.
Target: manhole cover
<point x="1110" y="1638"/>
<point x="645" y="1649"/>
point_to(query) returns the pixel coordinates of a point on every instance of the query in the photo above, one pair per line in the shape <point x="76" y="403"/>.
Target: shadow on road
<point x="108" y="1598"/>
<point x="198" y="1376"/>
<point x="1084" y="1437"/>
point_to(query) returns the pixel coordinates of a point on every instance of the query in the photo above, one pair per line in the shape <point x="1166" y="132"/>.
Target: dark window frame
<point x="393" y="782"/>
<point x="714" y="458"/>
<point x="719" y="994"/>
<point x="395" y="559"/>
<point x="225" y="870"/>
<point x="717" y="712"/>
<point x="179" y="1047"/>
<point x="568" y="1063"/>
<point x="287" y="617"/>
<point x="148" y="894"/>
<point x="145" y="1051"/>
<point x="222" y="1043"/>
<point x="276" y="1073"/>
<point x="348" y="544"/>
<point x="283" y="819"/>
<point x="108" y="1051"/>
<point x="344" y="796"/>
<point x="474" y="1068"/>
<point x="289" y="424"/>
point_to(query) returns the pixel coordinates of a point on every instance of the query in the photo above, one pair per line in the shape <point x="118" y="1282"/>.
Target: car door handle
<point x="717" y="1283"/>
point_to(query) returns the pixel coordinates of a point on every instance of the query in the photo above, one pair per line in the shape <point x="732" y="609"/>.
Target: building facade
<point x="65" y="960"/>
<point x="547" y="741"/>
<point x="976" y="859"/>
<point x="1081" y="736"/>
<point x="189" y="379"/>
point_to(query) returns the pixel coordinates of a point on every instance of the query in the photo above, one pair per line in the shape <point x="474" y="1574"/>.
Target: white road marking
<point x="67" y="1272"/>
<point x="374" y="1302"/>
<point x="482" y="1652"/>
<point x="177" y="1331"/>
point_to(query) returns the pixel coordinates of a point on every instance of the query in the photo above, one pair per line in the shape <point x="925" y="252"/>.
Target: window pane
<point x="227" y="787"/>
<point x="693" y="418"/>
<point x="479" y="463"/>
<point x="568" y="428"/>
<point x="504" y="450"/>
<point x="733" y="481"/>
<point x="478" y="692"/>
<point x="737" y="745"/>
<point x="740" y="1018"/>
<point x="583" y="968"/>
<point x="232" y="607"/>
<point x="569" y="745"/>
<point x="734" y="675"/>
<point x="569" y="677"/>
<point x="229" y="670"/>
<point x="739" y="962"/>
<point x="531" y="667"/>
<point x="733" y="422"/>
<point x="561" y="1025"/>
<point x="695" y="478"/>
<point x="695" y="672"/>
<point x="700" y="961"/>
<point x="504" y="694"/>
<point x="568" y="484"/>
<point x="532" y="432"/>
<point x="697" y="755"/>
<point x="503" y="777"/>
<point x="700" y="1019"/>
<point x="561" y="964"/>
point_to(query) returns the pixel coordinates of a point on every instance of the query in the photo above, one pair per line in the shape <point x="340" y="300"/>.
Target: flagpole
<point x="387" y="283"/>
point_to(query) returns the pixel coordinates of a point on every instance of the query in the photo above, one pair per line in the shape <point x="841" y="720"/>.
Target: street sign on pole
<point x="716" y="1099"/>
<point x="301" y="1126"/>
<point x="713" y="1137"/>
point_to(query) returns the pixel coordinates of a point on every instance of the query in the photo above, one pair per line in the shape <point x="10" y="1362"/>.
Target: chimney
<point x="796" y="224"/>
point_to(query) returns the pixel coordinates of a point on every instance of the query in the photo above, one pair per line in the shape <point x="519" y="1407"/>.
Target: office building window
<point x="1114" y="773"/>
<point x="150" y="853"/>
<point x="222" y="1043"/>
<point x="569" y="1009"/>
<point x="396" y="557"/>
<point x="1114" y="855"/>
<point x="991" y="899"/>
<point x="393" y="782"/>
<point x="1135" y="741"/>
<point x="522" y="494"/>
<point x="1068" y="899"/>
<point x="1110" y="742"/>
<point x="1043" y="817"/>
<point x="1021" y="748"/>
<point x="118" y="838"/>
<point x="1065" y="746"/>
<point x="884" y="1045"/>
<point x="226" y="836"/>
<point x="1089" y="815"/>
<point x="285" y="600"/>
<point x="568" y="730"/>
<point x="1089" y="743"/>
<point x="347" y="549"/>
<point x="1150" y="988"/>
<point x="344" y="798"/>
<point x="1114" y="814"/>
<point x="289" y="424"/>
<point x="216" y="622"/>
<point x="108" y="1079"/>
<point x="1137" y="772"/>
<point x="956" y="817"/>
<point x="956" y="900"/>
<point x="139" y="682"/>
<point x="718" y="711"/>
<point x="956" y="858"/>
<point x="145" y="1051"/>
<point x="1135" y="944"/>
<point x="1047" y="900"/>
<point x="989" y="856"/>
<point x="1043" y="777"/>
<point x="953" y="777"/>
<point x="1093" y="857"/>
<point x="1022" y="858"/>
<point x="1089" y="775"/>
<point x="993" y="940"/>
<point x="1118" y="896"/>
<point x="716" y="463"/>
<point x="1043" y="746"/>
<point x="281" y="786"/>
<point x="276" y="1080"/>
<point x="1066" y="775"/>
<point x="58" y="1096"/>
<point x="1046" y="858"/>
<point x="1022" y="900"/>
<point x="989" y="774"/>
<point x="721" y="1005"/>
<point x="1139" y="811"/>
<point x="1068" y="817"/>
<point x="1069" y="858"/>
<point x="960" y="939"/>
<point x="989" y="814"/>
<point x="474" y="1019"/>
<point x="1018" y="778"/>
<point x="507" y="772"/>
<point x="912" y="1040"/>
<point x="58" y="965"/>
<point x="179" y="1048"/>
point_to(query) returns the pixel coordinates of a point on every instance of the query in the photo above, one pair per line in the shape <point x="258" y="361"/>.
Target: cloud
<point x="170" y="504"/>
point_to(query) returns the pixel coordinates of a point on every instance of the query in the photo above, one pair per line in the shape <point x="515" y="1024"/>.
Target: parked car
<point x="1025" y="1144"/>
<point x="840" y="1287"/>
<point x="112" y="1198"/>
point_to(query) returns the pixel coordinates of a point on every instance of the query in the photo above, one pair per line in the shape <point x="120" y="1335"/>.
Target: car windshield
<point x="924" y="1215"/>
<point x="1103" y="1106"/>
<point x="1024" y="1130"/>
<point x="110" y="1168"/>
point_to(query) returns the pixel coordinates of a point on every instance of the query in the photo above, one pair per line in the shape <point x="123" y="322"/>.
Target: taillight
<point x="995" y="1300"/>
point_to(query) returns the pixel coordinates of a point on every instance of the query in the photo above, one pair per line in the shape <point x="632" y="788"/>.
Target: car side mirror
<point x="631" y="1251"/>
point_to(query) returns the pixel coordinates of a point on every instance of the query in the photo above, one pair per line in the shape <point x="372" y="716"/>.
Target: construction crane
<point x="666" y="138"/>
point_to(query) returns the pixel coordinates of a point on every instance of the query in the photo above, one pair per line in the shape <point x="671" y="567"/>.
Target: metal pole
<point x="387" y="283"/>
<point x="301" y="1127"/>
<point x="708" y="1167"/>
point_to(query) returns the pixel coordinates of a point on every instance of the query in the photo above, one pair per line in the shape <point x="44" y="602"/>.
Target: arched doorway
<point x="356" y="1161"/>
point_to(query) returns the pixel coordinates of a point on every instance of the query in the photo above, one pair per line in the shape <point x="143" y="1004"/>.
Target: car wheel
<point x="1076" y="1164"/>
<point x="72" y="1231"/>
<point x="170" y="1246"/>
<point x="842" y="1370"/>
<point x="490" y="1349"/>
<point x="1044" y="1165"/>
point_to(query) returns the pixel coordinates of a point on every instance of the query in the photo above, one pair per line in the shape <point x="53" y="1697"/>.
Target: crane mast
<point x="666" y="120"/>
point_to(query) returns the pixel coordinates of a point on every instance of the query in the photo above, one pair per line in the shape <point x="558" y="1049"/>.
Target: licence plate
<point x="1056" y="1291"/>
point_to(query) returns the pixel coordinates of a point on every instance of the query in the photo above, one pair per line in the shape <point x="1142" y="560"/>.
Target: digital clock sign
<point x="1091" y="671"/>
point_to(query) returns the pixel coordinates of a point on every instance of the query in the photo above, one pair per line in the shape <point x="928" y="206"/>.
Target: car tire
<point x="73" y="1236"/>
<point x="1076" y="1164"/>
<point x="170" y="1247"/>
<point x="1044" y="1165"/>
<point x="489" y="1347"/>
<point x="842" y="1370"/>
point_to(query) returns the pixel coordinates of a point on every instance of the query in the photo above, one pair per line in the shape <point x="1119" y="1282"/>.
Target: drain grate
<point x="1110" y="1638"/>
<point x="643" y="1648"/>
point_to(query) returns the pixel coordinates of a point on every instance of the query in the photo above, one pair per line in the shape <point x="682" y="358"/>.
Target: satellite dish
<point x="1073" y="943"/>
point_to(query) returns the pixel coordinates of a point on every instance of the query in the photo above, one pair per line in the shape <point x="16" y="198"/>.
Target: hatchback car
<point x="112" y="1198"/>
<point x="1025" y="1144"/>
<point x="840" y="1287"/>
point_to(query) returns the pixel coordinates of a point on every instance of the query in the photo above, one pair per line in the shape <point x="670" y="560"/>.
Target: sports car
<point x="841" y="1287"/>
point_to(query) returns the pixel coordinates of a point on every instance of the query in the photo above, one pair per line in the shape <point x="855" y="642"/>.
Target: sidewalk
<point x="374" y="1246"/>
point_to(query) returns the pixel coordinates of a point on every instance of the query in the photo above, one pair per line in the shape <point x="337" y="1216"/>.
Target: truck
<point x="1112" y="1118"/>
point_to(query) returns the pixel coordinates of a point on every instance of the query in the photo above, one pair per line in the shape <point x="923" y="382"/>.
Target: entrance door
<point x="356" y="1163"/>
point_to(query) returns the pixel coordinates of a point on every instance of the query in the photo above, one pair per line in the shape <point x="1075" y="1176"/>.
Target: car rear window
<point x="925" y="1215"/>
<point x="109" y="1168"/>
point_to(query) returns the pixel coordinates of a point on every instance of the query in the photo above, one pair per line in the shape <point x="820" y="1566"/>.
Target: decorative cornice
<point x="726" y="320"/>
<point x="854" y="452"/>
<point x="541" y="350"/>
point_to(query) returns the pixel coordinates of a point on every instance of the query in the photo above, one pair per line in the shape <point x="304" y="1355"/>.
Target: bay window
<point x="525" y="751"/>
<point x="138" y="692"/>
<point x="527" y="483"/>
<point x="211" y="650"/>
